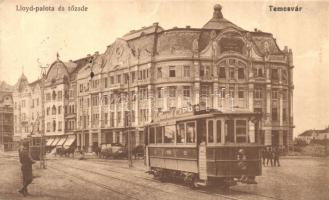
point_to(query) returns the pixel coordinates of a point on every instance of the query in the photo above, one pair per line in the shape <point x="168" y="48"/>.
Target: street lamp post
<point x="42" y="145"/>
<point x="128" y="124"/>
<point x="2" y="133"/>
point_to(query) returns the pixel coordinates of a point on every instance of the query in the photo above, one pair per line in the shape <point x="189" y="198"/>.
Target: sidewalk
<point x="9" y="153"/>
<point x="302" y="157"/>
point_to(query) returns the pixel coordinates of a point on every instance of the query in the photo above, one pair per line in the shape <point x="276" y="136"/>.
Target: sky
<point x="32" y="39"/>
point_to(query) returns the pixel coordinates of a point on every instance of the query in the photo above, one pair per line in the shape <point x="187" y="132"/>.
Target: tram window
<point x="152" y="136"/>
<point x="36" y="141"/>
<point x="158" y="131"/>
<point x="241" y="131"/>
<point x="169" y="134"/>
<point x="219" y="131"/>
<point x="229" y="136"/>
<point x="190" y="132"/>
<point x="181" y="133"/>
<point x="210" y="131"/>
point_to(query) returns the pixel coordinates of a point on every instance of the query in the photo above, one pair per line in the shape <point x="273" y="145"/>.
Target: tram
<point x="36" y="146"/>
<point x="205" y="147"/>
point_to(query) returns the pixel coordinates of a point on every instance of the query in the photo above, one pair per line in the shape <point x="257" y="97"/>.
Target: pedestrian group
<point x="271" y="155"/>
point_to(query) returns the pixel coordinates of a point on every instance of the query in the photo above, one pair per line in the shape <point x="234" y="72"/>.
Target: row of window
<point x="258" y="71"/>
<point x="259" y="93"/>
<point x="206" y="91"/>
<point x="51" y="126"/>
<point x="222" y="72"/>
<point x="118" y="79"/>
<point x="34" y="102"/>
<point x="275" y="113"/>
<point x="70" y="125"/>
<point x="185" y="132"/>
<point x="172" y="91"/>
<point x="110" y="119"/>
<point x="172" y="71"/>
<point x="53" y="110"/>
<point x="68" y="110"/>
<point x="54" y="96"/>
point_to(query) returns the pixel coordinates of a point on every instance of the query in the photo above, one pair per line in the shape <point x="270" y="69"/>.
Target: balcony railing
<point x="206" y="78"/>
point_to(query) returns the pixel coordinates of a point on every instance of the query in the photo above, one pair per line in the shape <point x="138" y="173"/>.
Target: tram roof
<point x="172" y="119"/>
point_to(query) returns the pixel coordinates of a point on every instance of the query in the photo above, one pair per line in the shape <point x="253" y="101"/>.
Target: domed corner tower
<point x="249" y="67"/>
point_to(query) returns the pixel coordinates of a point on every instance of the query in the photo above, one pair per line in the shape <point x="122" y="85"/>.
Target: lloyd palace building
<point x="219" y="66"/>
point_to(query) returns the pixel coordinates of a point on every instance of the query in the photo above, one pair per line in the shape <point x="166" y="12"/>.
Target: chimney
<point x="155" y="23"/>
<point x="255" y="29"/>
<point x="188" y="26"/>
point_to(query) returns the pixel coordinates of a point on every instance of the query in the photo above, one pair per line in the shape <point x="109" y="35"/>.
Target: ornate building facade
<point x="6" y="116"/>
<point x="27" y="107"/>
<point x="60" y="101"/>
<point x="220" y="66"/>
<point x="152" y="70"/>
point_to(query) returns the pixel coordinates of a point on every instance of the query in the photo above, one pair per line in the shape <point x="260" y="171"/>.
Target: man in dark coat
<point x="269" y="156"/>
<point x="26" y="161"/>
<point x="264" y="155"/>
<point x="276" y="157"/>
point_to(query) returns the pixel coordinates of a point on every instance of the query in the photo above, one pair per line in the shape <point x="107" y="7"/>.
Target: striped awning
<point x="61" y="141"/>
<point x="56" y="140"/>
<point x="49" y="141"/>
<point x="70" y="140"/>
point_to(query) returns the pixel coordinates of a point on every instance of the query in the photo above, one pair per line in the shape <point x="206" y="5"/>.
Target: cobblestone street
<point x="66" y="178"/>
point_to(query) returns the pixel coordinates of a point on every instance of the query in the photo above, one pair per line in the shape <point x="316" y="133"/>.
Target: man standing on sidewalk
<point x="269" y="156"/>
<point x="26" y="161"/>
<point x="276" y="157"/>
<point x="264" y="155"/>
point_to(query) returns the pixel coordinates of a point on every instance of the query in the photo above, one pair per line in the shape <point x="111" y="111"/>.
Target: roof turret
<point x="218" y="22"/>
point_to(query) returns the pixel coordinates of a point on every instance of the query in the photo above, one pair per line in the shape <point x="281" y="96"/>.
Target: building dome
<point x="218" y="22"/>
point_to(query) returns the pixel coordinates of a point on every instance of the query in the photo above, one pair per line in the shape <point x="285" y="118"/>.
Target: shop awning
<point x="69" y="141"/>
<point x="61" y="141"/>
<point x="56" y="140"/>
<point x="49" y="141"/>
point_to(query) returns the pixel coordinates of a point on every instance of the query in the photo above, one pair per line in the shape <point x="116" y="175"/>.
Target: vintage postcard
<point x="155" y="99"/>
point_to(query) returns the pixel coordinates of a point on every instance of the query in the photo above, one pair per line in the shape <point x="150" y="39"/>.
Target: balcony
<point x="115" y="86"/>
<point x="206" y="78"/>
<point x="24" y="121"/>
<point x="173" y="79"/>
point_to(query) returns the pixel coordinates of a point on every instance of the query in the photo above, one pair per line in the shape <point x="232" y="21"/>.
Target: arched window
<point x="54" y="95"/>
<point x="54" y="125"/>
<point x="53" y="112"/>
<point x="59" y="110"/>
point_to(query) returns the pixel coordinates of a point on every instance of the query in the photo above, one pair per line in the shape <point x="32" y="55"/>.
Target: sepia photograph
<point x="164" y="99"/>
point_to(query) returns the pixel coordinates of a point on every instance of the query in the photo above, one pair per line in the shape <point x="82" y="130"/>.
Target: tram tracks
<point x="250" y="195"/>
<point x="93" y="182"/>
<point x="206" y="192"/>
<point x="183" y="186"/>
<point x="147" y="187"/>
